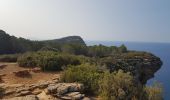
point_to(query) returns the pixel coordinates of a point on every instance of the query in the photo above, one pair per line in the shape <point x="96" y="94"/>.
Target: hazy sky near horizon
<point x="111" y="20"/>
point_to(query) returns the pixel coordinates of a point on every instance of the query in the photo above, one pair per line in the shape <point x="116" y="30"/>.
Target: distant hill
<point x="11" y="44"/>
<point x="68" y="40"/>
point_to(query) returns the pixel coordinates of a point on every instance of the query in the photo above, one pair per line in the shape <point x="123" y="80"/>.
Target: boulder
<point x="43" y="85"/>
<point x="66" y="91"/>
<point x="63" y="88"/>
<point x="52" y="89"/>
<point x="76" y="87"/>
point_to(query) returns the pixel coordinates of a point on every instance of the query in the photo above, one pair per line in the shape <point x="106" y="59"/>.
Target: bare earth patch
<point x="10" y="78"/>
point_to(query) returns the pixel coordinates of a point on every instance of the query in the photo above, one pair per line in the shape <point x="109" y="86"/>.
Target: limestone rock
<point x="63" y="88"/>
<point x="28" y="97"/>
<point x="43" y="84"/>
<point x="23" y="93"/>
<point x="36" y="92"/>
<point x="75" y="95"/>
<point x="7" y="92"/>
<point x="78" y="96"/>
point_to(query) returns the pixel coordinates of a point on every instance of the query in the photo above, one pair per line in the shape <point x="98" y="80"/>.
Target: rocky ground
<point x="31" y="84"/>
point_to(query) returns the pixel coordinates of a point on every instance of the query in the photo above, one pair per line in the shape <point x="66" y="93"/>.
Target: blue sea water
<point x="161" y="50"/>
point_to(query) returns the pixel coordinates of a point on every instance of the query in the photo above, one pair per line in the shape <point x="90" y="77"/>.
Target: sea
<point x="162" y="50"/>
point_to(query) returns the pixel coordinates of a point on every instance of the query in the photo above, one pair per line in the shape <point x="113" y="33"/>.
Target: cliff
<point x="142" y="65"/>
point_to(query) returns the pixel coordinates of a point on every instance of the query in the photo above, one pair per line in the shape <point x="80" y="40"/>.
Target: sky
<point x="101" y="20"/>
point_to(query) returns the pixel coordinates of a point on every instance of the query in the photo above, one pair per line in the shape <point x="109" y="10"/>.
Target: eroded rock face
<point x="142" y="65"/>
<point x="148" y="68"/>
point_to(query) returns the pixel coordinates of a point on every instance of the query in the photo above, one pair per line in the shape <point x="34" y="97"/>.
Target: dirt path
<point x="10" y="78"/>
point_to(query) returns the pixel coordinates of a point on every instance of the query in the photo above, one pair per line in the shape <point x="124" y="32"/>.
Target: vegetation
<point x="49" y="60"/>
<point x="11" y="44"/>
<point x="102" y="51"/>
<point x="72" y="45"/>
<point x="155" y="92"/>
<point x="85" y="73"/>
<point x="9" y="58"/>
<point x="118" y="85"/>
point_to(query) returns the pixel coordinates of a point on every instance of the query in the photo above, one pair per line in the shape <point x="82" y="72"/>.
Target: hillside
<point x="11" y="44"/>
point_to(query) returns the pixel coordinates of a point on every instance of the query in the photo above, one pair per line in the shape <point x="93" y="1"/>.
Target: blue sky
<point x="104" y="20"/>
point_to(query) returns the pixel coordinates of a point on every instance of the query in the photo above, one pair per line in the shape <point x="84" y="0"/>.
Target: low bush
<point x="86" y="74"/>
<point x="9" y="58"/>
<point x="119" y="86"/>
<point x="48" y="60"/>
<point x="123" y="86"/>
<point x="154" y="92"/>
<point x="57" y="61"/>
<point x="28" y="60"/>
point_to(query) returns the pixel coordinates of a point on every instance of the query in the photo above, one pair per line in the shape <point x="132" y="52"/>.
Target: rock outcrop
<point x="47" y="90"/>
<point x="28" y="97"/>
<point x="142" y="65"/>
<point x="67" y="91"/>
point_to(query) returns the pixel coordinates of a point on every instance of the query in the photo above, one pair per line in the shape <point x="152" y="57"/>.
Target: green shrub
<point x="85" y="73"/>
<point x="122" y="49"/>
<point x="9" y="58"/>
<point x="154" y="92"/>
<point x="48" y="60"/>
<point x="28" y="60"/>
<point x="57" y="62"/>
<point x="120" y="86"/>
